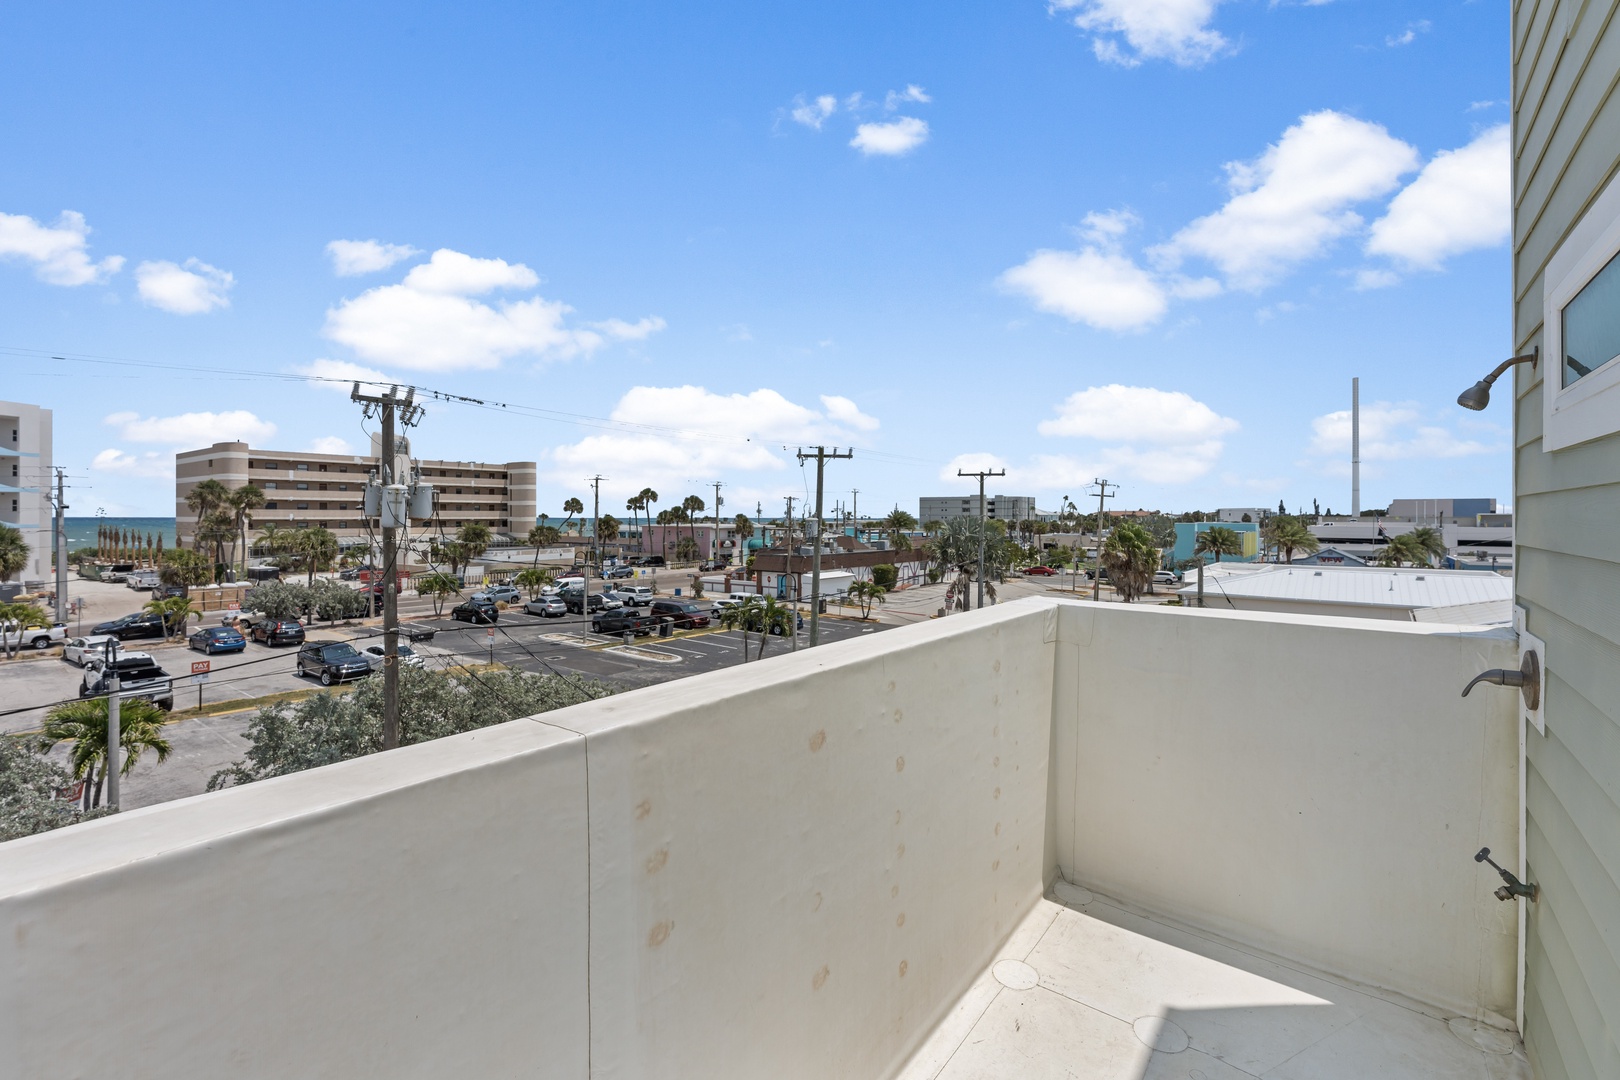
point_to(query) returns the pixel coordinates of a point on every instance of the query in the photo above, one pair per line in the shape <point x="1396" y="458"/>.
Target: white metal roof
<point x="1367" y="587"/>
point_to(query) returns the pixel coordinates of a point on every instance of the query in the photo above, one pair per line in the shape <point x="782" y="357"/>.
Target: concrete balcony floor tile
<point x="1114" y="984"/>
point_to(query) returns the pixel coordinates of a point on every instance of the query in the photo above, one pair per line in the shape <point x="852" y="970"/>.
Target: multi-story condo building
<point x="25" y="480"/>
<point x="996" y="507"/>
<point x="307" y="489"/>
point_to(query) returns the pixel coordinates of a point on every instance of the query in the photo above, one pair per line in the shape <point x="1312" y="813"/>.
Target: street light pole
<point x="822" y="456"/>
<point x="1096" y="575"/>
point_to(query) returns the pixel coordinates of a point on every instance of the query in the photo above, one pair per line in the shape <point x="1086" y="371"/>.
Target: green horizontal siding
<point x="1566" y="146"/>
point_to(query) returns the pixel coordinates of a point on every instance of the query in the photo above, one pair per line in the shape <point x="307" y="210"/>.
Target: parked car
<point x="501" y="594"/>
<point x="278" y="632"/>
<point x="1041" y="571"/>
<point x="142" y="579"/>
<point x="138" y="677"/>
<point x="475" y="610"/>
<point x="407" y="657"/>
<point x="627" y="598"/>
<point x="649" y="560"/>
<point x="548" y="606"/>
<point x="82" y="650"/>
<point x="35" y="635"/>
<point x="569" y="581"/>
<point x="1166" y="577"/>
<point x="213" y="639"/>
<point x="643" y="594"/>
<point x="617" y="572"/>
<point x="168" y="592"/>
<point x="622" y="620"/>
<point x="139" y="625"/>
<point x="577" y="603"/>
<point x="688" y="614"/>
<point x="331" y="662"/>
<point x="712" y="565"/>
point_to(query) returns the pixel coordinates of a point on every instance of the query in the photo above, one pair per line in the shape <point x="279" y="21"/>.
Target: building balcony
<point x="1050" y="838"/>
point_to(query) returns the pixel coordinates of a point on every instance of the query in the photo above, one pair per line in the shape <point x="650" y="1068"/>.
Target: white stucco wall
<point x="1314" y="786"/>
<point x="789" y="868"/>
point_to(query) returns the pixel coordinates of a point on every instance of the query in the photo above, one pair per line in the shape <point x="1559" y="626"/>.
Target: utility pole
<point x="392" y="510"/>
<point x="596" y="550"/>
<point x="1355" y="448"/>
<point x="1096" y="577"/>
<point x="822" y="456"/>
<point x="787" y="558"/>
<point x="855" y="511"/>
<point x="61" y="552"/>
<point x="981" y="475"/>
<point x="714" y="542"/>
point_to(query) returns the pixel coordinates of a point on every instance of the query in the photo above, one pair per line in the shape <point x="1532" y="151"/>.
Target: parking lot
<point x="204" y="744"/>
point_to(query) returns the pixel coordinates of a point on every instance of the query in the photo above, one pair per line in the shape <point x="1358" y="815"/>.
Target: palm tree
<point x="438" y="586"/>
<point x="13" y="552"/>
<point x="205" y="499"/>
<point x="475" y="539"/>
<point x="540" y="536"/>
<point x="1402" y="549"/>
<point x="18" y="616"/>
<point x="217" y="529"/>
<point x="533" y="580"/>
<point x="571" y="507"/>
<point x="607" y="527"/>
<point x="1130" y="556"/>
<point x="686" y="549"/>
<point x="693" y="505"/>
<point x="1219" y="540"/>
<point x="176" y="612"/>
<point x="648" y="498"/>
<point x="243" y="501"/>
<point x="865" y="594"/>
<point x="1428" y="543"/>
<point x="742" y="616"/>
<point x="633" y="504"/>
<point x="897" y="525"/>
<point x="84" y="724"/>
<point x="187" y="568"/>
<point x="316" y="549"/>
<point x="745" y="531"/>
<point x="932" y="526"/>
<point x="1289" y="534"/>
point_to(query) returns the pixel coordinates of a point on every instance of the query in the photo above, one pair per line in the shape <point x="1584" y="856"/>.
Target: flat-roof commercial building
<point x="307" y="489"/>
<point x="996" y="507"/>
<point x="25" y="480"/>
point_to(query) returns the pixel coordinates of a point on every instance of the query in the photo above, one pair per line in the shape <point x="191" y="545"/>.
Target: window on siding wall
<point x="1581" y="328"/>
<point x="1591" y="324"/>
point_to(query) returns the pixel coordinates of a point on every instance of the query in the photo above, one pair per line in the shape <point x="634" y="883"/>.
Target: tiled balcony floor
<point x="1084" y="986"/>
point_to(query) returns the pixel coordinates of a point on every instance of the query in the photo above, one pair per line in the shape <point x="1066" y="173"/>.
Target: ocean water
<point x="81" y="531"/>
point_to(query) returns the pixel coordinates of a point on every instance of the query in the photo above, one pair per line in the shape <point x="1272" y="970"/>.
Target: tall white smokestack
<point x="1355" y="447"/>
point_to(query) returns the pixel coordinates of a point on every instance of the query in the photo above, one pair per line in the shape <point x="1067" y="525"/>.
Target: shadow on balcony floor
<point x="1085" y="989"/>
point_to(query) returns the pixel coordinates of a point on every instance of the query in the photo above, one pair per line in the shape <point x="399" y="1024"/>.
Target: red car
<point x="1041" y="571"/>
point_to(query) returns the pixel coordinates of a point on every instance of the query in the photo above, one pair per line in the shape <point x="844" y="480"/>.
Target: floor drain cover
<point x="1481" y="1036"/>
<point x="1015" y="975"/>
<point x="1157" y="1033"/>
<point x="1073" y="895"/>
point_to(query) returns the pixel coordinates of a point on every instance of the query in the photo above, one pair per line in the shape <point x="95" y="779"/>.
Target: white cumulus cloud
<point x="353" y="257"/>
<point x="694" y="432"/>
<point x="341" y="375"/>
<point x="192" y="430"/>
<point x="1117" y="413"/>
<point x="432" y="321"/>
<point x="891" y="138"/>
<point x="59" y="253"/>
<point x="813" y="113"/>
<point x="1101" y="288"/>
<point x="1295" y="200"/>
<point x="1461" y="201"/>
<point x="189" y="289"/>
<point x="330" y="444"/>
<point x="148" y="465"/>
<point x="894" y="99"/>
<point x="841" y="410"/>
<point x="1390" y="432"/>
<point x="1128" y="31"/>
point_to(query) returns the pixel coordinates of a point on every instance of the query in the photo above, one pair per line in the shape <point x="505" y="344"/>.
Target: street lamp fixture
<point x="1478" y="396"/>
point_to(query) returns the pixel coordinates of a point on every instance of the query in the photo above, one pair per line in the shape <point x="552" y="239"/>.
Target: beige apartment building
<point x="304" y="489"/>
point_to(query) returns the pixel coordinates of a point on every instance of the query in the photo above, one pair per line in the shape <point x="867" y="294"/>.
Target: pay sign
<point x="200" y="669"/>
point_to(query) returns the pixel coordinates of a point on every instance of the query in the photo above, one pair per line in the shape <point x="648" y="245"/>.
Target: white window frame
<point x="1589" y="408"/>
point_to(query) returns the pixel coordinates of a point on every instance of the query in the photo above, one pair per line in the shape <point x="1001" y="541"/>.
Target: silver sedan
<point x="374" y="656"/>
<point x="549" y="606"/>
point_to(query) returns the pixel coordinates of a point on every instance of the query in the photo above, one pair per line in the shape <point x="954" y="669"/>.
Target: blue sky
<point x="1150" y="240"/>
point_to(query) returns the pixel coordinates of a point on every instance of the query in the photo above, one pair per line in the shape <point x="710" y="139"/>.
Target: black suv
<point x="475" y="610"/>
<point x="278" y="632"/>
<point x="577" y="604"/>
<point x="686" y="614"/>
<point x="619" y="620"/>
<point x="139" y="625"/>
<point x="331" y="661"/>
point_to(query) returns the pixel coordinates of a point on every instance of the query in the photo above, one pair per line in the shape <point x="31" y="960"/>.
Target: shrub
<point x="885" y="575"/>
